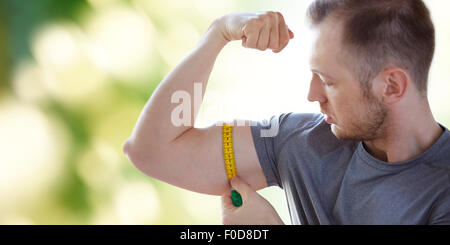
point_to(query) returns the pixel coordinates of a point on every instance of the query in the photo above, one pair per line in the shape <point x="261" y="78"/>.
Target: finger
<point x="227" y="203"/>
<point x="283" y="33"/>
<point x="252" y="41"/>
<point x="241" y="186"/>
<point x="263" y="40"/>
<point x="274" y="35"/>
<point x="251" y="33"/>
<point x="291" y="34"/>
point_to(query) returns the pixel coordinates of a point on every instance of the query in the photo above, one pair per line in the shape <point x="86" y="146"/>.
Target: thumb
<point x="240" y="186"/>
<point x="227" y="203"/>
<point x="291" y="34"/>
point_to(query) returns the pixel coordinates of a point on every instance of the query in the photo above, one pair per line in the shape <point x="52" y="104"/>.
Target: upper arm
<point x="194" y="161"/>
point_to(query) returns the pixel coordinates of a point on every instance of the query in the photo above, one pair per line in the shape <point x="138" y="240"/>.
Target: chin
<point x="336" y="131"/>
<point x="341" y="133"/>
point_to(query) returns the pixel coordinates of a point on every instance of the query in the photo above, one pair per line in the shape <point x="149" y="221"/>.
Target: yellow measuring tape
<point x="228" y="156"/>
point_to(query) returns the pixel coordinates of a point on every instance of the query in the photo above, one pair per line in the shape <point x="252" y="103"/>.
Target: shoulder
<point x="310" y="134"/>
<point x="283" y="125"/>
<point x="308" y="130"/>
<point x="303" y="130"/>
<point x="299" y="121"/>
<point x="441" y="153"/>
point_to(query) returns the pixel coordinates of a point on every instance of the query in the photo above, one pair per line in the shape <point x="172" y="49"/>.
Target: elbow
<point x="147" y="162"/>
<point x="126" y="147"/>
<point x="133" y="154"/>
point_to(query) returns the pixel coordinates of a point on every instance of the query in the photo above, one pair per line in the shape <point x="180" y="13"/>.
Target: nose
<point x="316" y="90"/>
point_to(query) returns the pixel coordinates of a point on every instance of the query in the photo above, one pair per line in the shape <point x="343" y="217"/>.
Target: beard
<point x="368" y="124"/>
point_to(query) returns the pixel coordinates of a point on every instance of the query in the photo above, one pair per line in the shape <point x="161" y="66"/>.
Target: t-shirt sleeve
<point x="269" y="137"/>
<point x="265" y="134"/>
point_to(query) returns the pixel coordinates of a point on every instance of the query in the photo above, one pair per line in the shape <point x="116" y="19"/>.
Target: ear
<point x="395" y="83"/>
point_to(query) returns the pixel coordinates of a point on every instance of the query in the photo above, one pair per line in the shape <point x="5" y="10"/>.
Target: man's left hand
<point x="255" y="210"/>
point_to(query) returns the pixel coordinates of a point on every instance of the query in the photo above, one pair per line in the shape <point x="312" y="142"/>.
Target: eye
<point x="324" y="81"/>
<point x="328" y="83"/>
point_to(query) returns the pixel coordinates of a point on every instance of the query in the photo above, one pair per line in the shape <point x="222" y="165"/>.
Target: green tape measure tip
<point x="236" y="198"/>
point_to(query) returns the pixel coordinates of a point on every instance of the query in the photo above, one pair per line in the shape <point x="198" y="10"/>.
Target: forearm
<point x="154" y="126"/>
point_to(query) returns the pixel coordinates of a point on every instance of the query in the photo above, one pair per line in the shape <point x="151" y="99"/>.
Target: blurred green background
<point x="75" y="74"/>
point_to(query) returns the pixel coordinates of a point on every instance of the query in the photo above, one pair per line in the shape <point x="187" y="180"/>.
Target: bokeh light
<point x="137" y="203"/>
<point x="59" y="50"/>
<point x="31" y="154"/>
<point x="121" y="41"/>
<point x="28" y="84"/>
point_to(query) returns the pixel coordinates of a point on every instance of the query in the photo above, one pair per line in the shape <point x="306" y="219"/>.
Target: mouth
<point x="328" y="118"/>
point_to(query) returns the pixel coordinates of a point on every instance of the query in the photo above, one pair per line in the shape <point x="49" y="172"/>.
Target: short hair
<point x="378" y="33"/>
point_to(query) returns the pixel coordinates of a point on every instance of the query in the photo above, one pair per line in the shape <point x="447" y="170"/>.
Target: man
<point x="375" y="156"/>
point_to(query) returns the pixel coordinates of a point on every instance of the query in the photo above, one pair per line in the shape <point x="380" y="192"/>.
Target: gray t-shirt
<point x="332" y="181"/>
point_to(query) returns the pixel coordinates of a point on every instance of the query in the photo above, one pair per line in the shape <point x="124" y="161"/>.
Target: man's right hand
<point x="261" y="30"/>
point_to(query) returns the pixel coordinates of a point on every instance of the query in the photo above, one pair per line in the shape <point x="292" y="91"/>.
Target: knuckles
<point x="266" y="18"/>
<point x="256" y="24"/>
<point x="271" y="15"/>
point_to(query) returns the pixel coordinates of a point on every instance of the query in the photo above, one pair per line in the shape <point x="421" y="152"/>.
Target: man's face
<point x="352" y="113"/>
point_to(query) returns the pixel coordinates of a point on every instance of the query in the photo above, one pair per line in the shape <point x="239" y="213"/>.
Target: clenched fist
<point x="261" y="30"/>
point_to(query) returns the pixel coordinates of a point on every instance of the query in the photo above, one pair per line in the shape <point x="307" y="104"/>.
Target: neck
<point x="406" y="137"/>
